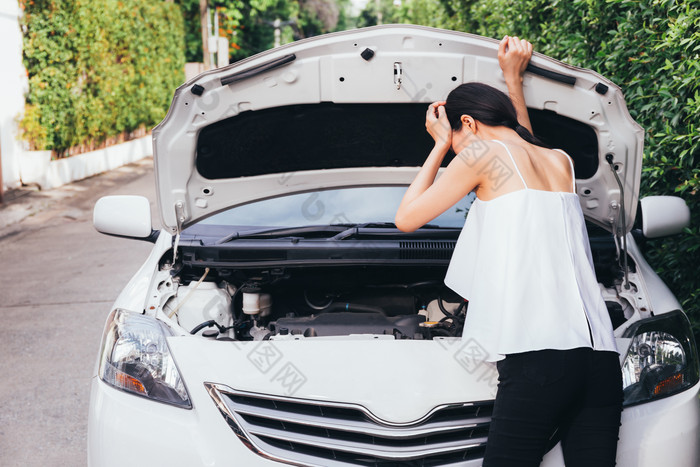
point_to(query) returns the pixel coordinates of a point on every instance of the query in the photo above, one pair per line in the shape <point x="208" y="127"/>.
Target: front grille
<point x="423" y="249"/>
<point x="320" y="433"/>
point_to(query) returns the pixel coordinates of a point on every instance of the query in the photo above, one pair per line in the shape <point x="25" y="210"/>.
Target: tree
<point x="248" y="24"/>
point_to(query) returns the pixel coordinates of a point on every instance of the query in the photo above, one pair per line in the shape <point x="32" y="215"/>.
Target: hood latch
<point x="398" y="75"/>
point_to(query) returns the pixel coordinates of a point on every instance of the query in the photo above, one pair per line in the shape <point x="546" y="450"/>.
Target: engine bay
<point x="404" y="300"/>
<point x="279" y="303"/>
<point x="298" y="303"/>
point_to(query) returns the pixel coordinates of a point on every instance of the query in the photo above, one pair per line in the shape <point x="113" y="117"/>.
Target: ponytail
<point x="525" y="134"/>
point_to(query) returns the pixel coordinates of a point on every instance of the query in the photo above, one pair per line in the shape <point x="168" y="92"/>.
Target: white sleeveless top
<point x="523" y="261"/>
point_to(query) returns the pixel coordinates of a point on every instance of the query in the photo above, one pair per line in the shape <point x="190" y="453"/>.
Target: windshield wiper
<point x="355" y="229"/>
<point x="342" y="231"/>
<point x="281" y="232"/>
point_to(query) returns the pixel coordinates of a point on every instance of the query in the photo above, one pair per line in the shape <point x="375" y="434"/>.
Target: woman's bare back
<point x="541" y="168"/>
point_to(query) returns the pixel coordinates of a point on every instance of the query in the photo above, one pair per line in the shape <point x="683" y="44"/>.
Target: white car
<point x="281" y="317"/>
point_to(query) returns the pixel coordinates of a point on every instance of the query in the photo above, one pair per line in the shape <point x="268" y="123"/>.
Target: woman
<point x="523" y="261"/>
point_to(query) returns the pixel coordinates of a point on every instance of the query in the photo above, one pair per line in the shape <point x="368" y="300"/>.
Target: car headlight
<point x="661" y="360"/>
<point x="135" y="358"/>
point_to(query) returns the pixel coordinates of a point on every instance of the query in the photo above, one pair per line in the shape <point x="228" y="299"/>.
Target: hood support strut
<point x="180" y="219"/>
<point x="619" y="224"/>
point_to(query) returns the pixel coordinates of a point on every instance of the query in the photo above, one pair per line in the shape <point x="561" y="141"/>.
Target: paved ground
<point x="58" y="278"/>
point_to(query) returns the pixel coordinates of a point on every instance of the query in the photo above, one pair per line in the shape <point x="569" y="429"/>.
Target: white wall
<point x="13" y="85"/>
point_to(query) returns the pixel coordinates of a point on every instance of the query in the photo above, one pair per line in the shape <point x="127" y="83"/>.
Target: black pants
<point x="576" y="393"/>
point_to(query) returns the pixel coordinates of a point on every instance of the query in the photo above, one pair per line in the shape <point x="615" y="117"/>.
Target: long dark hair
<point x="487" y="105"/>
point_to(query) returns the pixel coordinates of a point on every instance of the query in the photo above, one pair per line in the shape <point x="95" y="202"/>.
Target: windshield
<point x="355" y="205"/>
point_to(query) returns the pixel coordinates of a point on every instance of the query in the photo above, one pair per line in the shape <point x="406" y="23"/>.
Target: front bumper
<point x="125" y="429"/>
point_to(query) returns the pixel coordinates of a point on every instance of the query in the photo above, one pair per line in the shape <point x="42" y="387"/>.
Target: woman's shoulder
<point x="477" y="152"/>
<point x="561" y="151"/>
<point x="556" y="156"/>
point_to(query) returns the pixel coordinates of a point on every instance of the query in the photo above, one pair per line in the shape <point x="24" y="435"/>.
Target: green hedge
<point x="98" y="68"/>
<point x="651" y="49"/>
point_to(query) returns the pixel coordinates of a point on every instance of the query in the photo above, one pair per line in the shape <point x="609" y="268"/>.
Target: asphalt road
<point x="58" y="279"/>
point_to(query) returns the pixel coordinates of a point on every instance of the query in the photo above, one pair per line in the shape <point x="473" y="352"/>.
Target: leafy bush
<point x="651" y="49"/>
<point x="98" y="68"/>
<point x="248" y="24"/>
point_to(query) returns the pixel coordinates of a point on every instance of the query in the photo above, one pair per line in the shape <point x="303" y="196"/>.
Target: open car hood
<point x="348" y="109"/>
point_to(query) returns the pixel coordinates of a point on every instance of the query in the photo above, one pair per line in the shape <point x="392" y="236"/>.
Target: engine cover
<point x="342" y="323"/>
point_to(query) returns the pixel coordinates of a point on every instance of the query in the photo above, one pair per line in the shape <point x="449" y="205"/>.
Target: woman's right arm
<point x="513" y="56"/>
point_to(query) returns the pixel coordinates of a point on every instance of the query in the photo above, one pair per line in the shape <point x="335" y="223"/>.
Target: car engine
<point x="297" y="303"/>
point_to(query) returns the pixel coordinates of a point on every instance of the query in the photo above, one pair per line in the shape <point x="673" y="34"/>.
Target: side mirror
<point x="663" y="216"/>
<point x="123" y="216"/>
